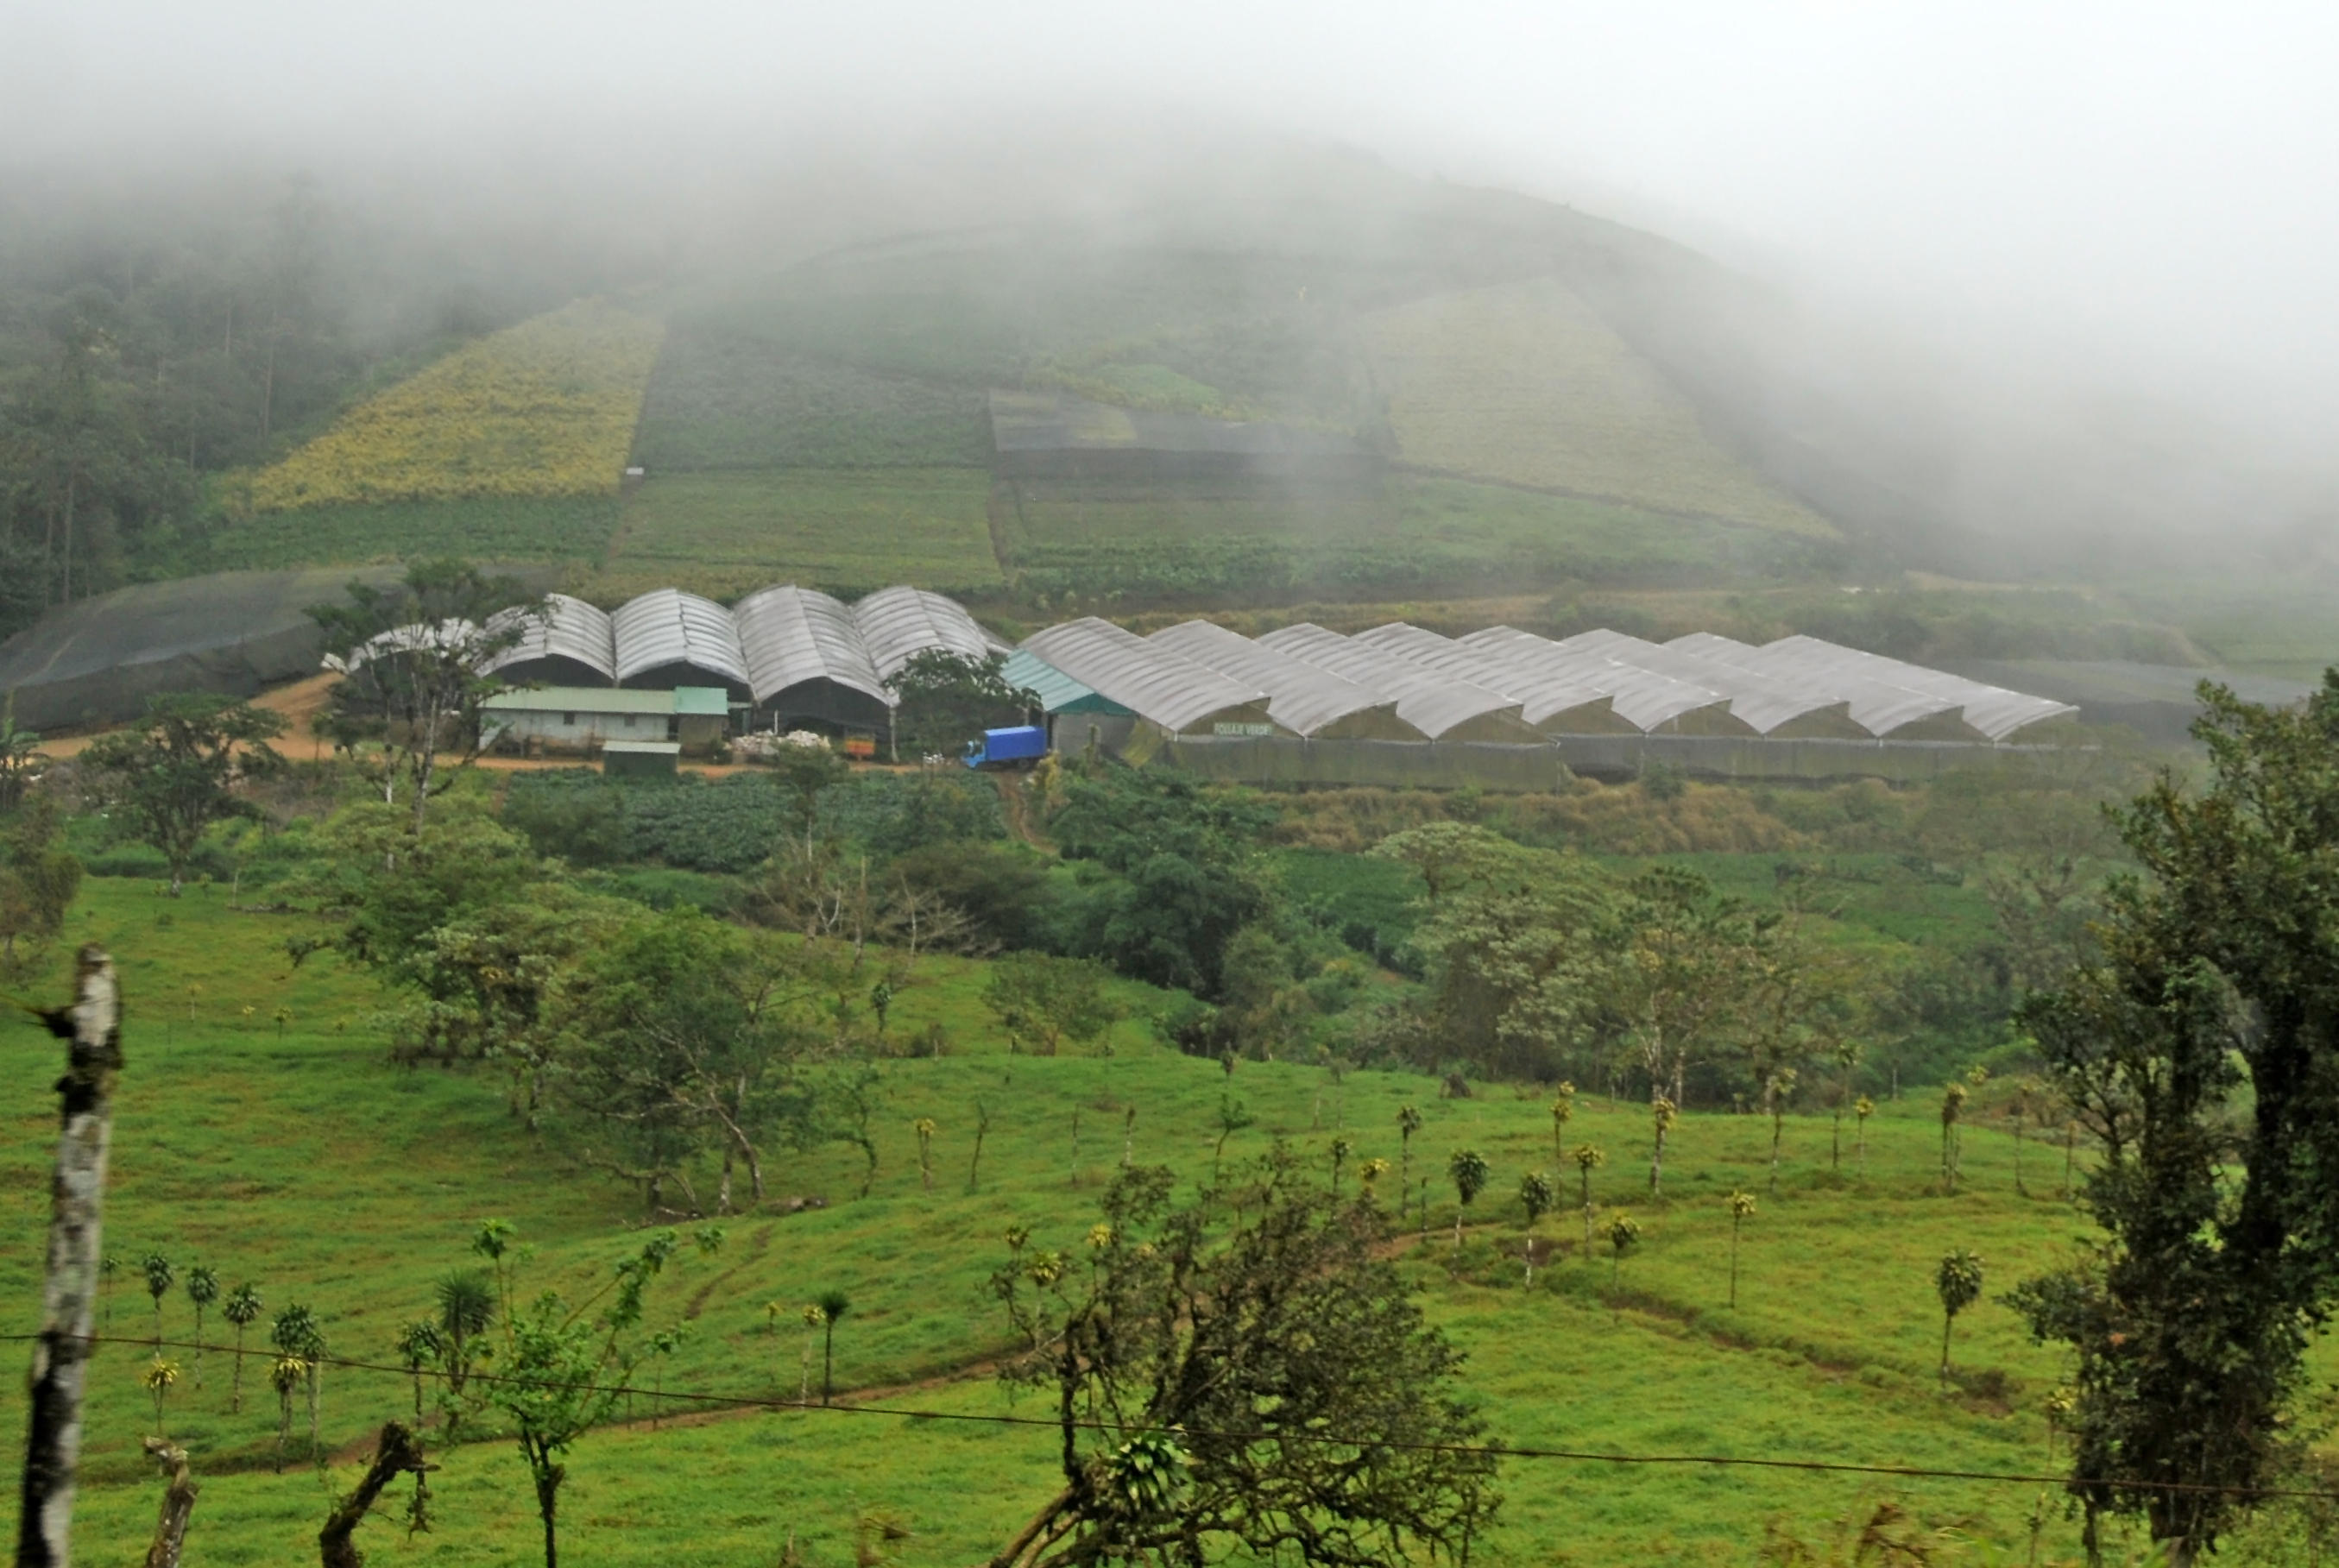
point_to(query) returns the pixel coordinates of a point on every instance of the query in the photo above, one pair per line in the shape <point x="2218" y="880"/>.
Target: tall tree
<point x="175" y="772"/>
<point x="1678" y="985"/>
<point x="2203" y="1043"/>
<point x="1197" y="1366"/>
<point x="1045" y="1001"/>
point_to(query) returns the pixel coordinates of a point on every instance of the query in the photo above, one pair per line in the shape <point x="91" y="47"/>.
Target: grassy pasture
<point x="560" y="528"/>
<point x="303" y="1162"/>
<point x="725" y="534"/>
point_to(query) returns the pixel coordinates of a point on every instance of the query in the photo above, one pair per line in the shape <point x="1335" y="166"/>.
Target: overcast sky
<point x="2154" y="179"/>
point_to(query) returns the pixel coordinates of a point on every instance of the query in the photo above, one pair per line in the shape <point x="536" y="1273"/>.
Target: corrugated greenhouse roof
<point x="668" y="626"/>
<point x="1301" y="696"/>
<point x="1429" y="702"/>
<point x="791" y="635"/>
<point x="1640" y="696"/>
<point x="1994" y="711"/>
<point x="583" y="700"/>
<point x="898" y="624"/>
<point x="1878" y="705"/>
<point x="416" y="638"/>
<point x="1543" y="694"/>
<point x="1058" y="692"/>
<point x="1765" y="704"/>
<point x="1173" y="692"/>
<point x="561" y="627"/>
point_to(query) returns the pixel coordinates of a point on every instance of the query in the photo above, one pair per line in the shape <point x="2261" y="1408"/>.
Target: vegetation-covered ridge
<point x="546" y="408"/>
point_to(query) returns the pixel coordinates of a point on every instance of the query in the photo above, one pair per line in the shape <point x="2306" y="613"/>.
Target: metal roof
<point x="1879" y="706"/>
<point x="1993" y="711"/>
<point x="1546" y="697"/>
<point x="1172" y="691"/>
<point x="668" y="626"/>
<point x="1058" y="692"/>
<point x="1766" y="705"/>
<point x="582" y="700"/>
<point x="898" y="624"/>
<point x="1431" y="703"/>
<point x="560" y="627"/>
<point x="1301" y="696"/>
<point x="1643" y="697"/>
<point x="791" y="635"/>
<point x="407" y="640"/>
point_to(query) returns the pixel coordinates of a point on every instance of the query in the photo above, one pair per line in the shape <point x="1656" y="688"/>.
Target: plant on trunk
<point x="1863" y="1108"/>
<point x="160" y="1277"/>
<point x="1662" y="1113"/>
<point x="467" y="1309"/>
<point x="1957" y="1281"/>
<point x="418" y="1347"/>
<point x="161" y="1376"/>
<point x="1470" y="1172"/>
<point x="1192" y="1365"/>
<point x="1848" y="1054"/>
<point x="1776" y="1089"/>
<point x="813" y="1318"/>
<point x="1741" y="1208"/>
<point x="1408" y="1122"/>
<point x="297" y="1334"/>
<point x="242" y="1308"/>
<point x="1339" y="1152"/>
<point x="1535" y="1196"/>
<point x="1623" y="1233"/>
<point x="925" y="1126"/>
<point x="1588" y="1158"/>
<point x="398" y="1452"/>
<point x="1563" y="1111"/>
<point x="982" y="1130"/>
<point x="286" y="1374"/>
<point x="834" y="1305"/>
<point x="561" y="1363"/>
<point x="1953" y="1108"/>
<point x="202" y="1289"/>
<point x="1369" y="1175"/>
<point x="1233" y="1117"/>
<point x="175" y="771"/>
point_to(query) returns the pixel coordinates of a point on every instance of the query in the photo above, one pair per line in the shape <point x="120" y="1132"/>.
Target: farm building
<point x="587" y="718"/>
<point x="667" y="638"/>
<point x="648" y="760"/>
<point x="897" y="624"/>
<point x="1169" y="692"/>
<point x="563" y="642"/>
<point x="1056" y="435"/>
<point x="806" y="663"/>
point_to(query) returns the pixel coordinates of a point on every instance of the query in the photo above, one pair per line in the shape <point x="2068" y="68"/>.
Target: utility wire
<point x="1492" y="1450"/>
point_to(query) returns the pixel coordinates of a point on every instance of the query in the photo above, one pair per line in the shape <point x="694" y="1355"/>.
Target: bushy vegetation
<point x="543" y="409"/>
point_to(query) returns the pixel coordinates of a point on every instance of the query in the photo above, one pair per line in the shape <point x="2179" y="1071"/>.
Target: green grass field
<point x="725" y="534"/>
<point x="501" y="527"/>
<point x="304" y="1162"/>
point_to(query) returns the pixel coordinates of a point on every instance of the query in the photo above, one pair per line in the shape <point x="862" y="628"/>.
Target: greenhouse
<point x="1302" y="698"/>
<point x="1880" y="707"/>
<point x="1556" y="702"/>
<point x="667" y="638"/>
<point x="1652" y="702"/>
<point x="806" y="662"/>
<point x="563" y="642"/>
<point x="1439" y="707"/>
<point x="895" y="625"/>
<point x="1169" y="691"/>
<point x="1774" y="709"/>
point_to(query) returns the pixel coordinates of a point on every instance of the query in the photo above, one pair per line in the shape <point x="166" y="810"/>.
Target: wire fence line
<point x="708" y="1400"/>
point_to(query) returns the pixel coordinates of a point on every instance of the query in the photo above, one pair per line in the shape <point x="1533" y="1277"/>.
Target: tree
<point x="1741" y="1208"/>
<point x="1536" y="1198"/>
<point x="2200" y="1044"/>
<point x="925" y="1127"/>
<point x="1408" y="1122"/>
<point x="298" y="1337"/>
<point x="1624" y="1234"/>
<point x="419" y="1345"/>
<point x="242" y="1308"/>
<point x="417" y="653"/>
<point x="202" y="1289"/>
<point x="945" y="699"/>
<point x="160" y="1276"/>
<point x="397" y="1452"/>
<point x="38" y="880"/>
<point x="834" y="1305"/>
<point x="1470" y="1173"/>
<point x="1340" y="1151"/>
<point x="1662" y="1115"/>
<point x="1049" y="1000"/>
<point x="1957" y="1281"/>
<point x="1864" y="1108"/>
<point x="1679" y="983"/>
<point x="1776" y="1089"/>
<point x="161" y="1376"/>
<point x="564" y="1364"/>
<point x="1588" y="1158"/>
<point x="1953" y="1106"/>
<point x="1202" y="1361"/>
<point x="803" y="770"/>
<point x="175" y="771"/>
<point x="466" y="1300"/>
<point x="1563" y="1111"/>
<point x="1233" y="1117"/>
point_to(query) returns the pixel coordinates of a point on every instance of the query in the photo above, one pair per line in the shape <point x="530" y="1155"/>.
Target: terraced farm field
<point x="1524" y="384"/>
<point x="725" y="533"/>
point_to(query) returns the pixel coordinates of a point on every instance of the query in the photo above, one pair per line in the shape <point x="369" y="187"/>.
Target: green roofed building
<point x="640" y="759"/>
<point x="1090" y="717"/>
<point x="595" y="718"/>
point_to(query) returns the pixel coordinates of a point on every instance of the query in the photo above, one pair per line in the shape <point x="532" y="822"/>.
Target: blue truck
<point x="1019" y="747"/>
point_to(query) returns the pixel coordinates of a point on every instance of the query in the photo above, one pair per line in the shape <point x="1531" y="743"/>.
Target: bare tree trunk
<point x="398" y="1453"/>
<point x="178" y="1504"/>
<point x="69" y="1294"/>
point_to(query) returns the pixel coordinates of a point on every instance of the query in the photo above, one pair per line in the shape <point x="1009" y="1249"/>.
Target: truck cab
<point x="1020" y="747"/>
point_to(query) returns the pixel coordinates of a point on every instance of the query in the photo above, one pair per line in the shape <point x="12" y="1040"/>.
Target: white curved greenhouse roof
<point x="419" y="637"/>
<point x="897" y="624"/>
<point x="1993" y="711"/>
<point x="560" y="627"/>
<point x="1879" y="705"/>
<point x="1543" y="694"/>
<point x="1642" y="697"/>
<point x="1764" y="705"/>
<point x="789" y="636"/>
<point x="1301" y="697"/>
<point x="1431" y="703"/>
<point x="668" y="626"/>
<point x="1151" y="682"/>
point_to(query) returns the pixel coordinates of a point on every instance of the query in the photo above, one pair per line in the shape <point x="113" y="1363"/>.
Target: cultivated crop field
<point x="561" y="529"/>
<point x="725" y="534"/>
<point x="261" y="1131"/>
<point x="1524" y="384"/>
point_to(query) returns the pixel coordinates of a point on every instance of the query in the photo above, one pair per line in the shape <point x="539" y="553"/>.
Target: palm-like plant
<point x="1408" y="1122"/>
<point x="1563" y="1111"/>
<point x="161" y="1376"/>
<point x="1233" y="1117"/>
<point x="296" y="1334"/>
<point x="1469" y="1171"/>
<point x="1340" y="1150"/>
<point x="1959" y="1283"/>
<point x="1370" y="1173"/>
<point x="160" y="1276"/>
<point x="1536" y="1198"/>
<point x="925" y="1127"/>
<point x="202" y="1289"/>
<point x="242" y="1308"/>
<point x="813" y="1318"/>
<point x="285" y="1375"/>
<point x="1953" y="1107"/>
<point x="1589" y="1158"/>
<point x="1865" y="1107"/>
<point x="108" y="1266"/>
<point x="1846" y="1057"/>
<point x="1623" y="1233"/>
<point x="1741" y="1208"/>
<point x="834" y="1305"/>
<point x="1777" y="1088"/>
<point x="419" y="1345"/>
<point x="1662" y="1113"/>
